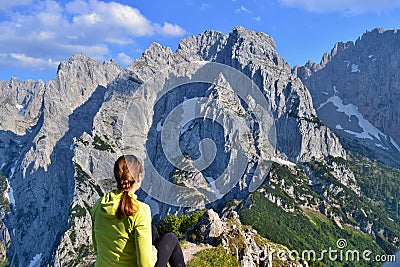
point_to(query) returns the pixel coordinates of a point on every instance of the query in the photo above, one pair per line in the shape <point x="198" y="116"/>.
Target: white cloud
<point x="242" y="9"/>
<point x="9" y="4"/>
<point x="46" y="35"/>
<point x="204" y="6"/>
<point x="78" y="7"/>
<point x="27" y="61"/>
<point x="169" y="29"/>
<point x="347" y="6"/>
<point x="124" y="59"/>
<point x="87" y="20"/>
<point x="49" y="31"/>
<point x="110" y="21"/>
<point x="126" y="18"/>
<point x="98" y="51"/>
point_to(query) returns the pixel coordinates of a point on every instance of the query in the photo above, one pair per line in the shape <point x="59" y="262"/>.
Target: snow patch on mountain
<point x="159" y="126"/>
<point x="354" y="68"/>
<point x="21" y="109"/>
<point x="394" y="144"/>
<point x="213" y="187"/>
<point x="37" y="259"/>
<point x="10" y="196"/>
<point x="283" y="162"/>
<point x="369" y="131"/>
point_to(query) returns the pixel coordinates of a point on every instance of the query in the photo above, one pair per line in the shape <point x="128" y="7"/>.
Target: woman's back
<point x="122" y="242"/>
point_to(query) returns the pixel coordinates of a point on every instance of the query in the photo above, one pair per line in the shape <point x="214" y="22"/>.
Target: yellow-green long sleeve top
<point x="125" y="242"/>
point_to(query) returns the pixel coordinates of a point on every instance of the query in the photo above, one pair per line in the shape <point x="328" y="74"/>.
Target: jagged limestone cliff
<point x="40" y="167"/>
<point x="355" y="92"/>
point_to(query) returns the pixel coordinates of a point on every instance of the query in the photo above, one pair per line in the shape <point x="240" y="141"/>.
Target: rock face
<point x="355" y="92"/>
<point x="40" y="159"/>
<point x="299" y="135"/>
<point x="58" y="152"/>
<point x="21" y="104"/>
<point x="250" y="249"/>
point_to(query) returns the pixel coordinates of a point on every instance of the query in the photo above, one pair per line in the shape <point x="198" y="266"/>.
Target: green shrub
<point x="297" y="231"/>
<point x="316" y="263"/>
<point x="4" y="263"/>
<point x="179" y="225"/>
<point x="216" y="257"/>
<point x="100" y="144"/>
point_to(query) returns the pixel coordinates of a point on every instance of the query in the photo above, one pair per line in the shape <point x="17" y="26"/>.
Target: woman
<point x="121" y="225"/>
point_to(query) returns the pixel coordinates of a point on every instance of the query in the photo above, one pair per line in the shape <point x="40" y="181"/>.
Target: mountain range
<point x="320" y="163"/>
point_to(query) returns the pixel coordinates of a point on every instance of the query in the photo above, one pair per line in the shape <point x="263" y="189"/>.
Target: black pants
<point x="169" y="250"/>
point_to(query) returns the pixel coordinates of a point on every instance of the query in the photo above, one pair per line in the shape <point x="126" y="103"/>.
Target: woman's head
<point x="127" y="172"/>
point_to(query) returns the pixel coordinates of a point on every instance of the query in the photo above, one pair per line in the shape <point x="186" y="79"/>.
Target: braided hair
<point x="127" y="169"/>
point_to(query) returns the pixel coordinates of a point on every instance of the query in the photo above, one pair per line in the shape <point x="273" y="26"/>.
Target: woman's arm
<point x="146" y="256"/>
<point x="92" y="215"/>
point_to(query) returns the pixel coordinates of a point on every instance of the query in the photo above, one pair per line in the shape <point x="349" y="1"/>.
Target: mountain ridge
<point x="366" y="88"/>
<point x="76" y="123"/>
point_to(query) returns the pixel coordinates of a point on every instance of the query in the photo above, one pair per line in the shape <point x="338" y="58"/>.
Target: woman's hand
<point x="153" y="248"/>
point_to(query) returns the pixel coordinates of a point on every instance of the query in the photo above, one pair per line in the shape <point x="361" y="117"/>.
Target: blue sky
<point x="36" y="35"/>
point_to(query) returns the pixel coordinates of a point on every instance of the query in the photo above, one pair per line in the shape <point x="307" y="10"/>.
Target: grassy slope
<point x="308" y="229"/>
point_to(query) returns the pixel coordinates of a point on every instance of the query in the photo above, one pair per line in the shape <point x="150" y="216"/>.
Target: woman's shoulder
<point x="142" y="216"/>
<point x="106" y="197"/>
<point x="143" y="207"/>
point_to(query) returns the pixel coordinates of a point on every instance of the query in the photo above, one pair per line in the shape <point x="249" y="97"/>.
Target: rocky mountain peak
<point x="262" y="39"/>
<point x="155" y="51"/>
<point x="68" y="131"/>
<point x="340" y="46"/>
<point x="206" y="45"/>
<point x="80" y="57"/>
<point x="244" y="47"/>
<point x="372" y="38"/>
<point x="353" y="80"/>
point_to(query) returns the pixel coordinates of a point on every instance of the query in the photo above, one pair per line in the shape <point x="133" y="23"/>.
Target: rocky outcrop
<point x="229" y="233"/>
<point x="240" y="241"/>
